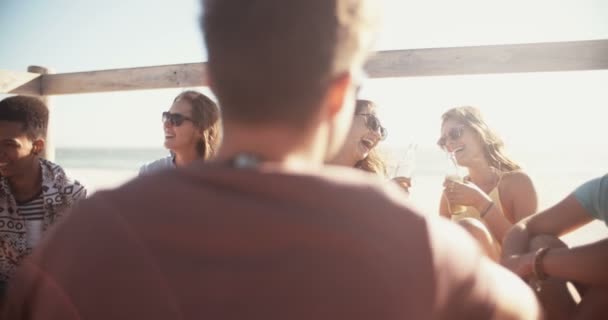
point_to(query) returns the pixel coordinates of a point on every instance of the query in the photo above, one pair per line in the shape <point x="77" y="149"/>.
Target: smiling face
<point x="463" y="141"/>
<point x="17" y="150"/>
<point x="184" y="136"/>
<point x="361" y="139"/>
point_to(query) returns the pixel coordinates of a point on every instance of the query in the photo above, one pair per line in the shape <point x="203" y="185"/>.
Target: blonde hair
<point x="373" y="162"/>
<point x="206" y="116"/>
<point x="493" y="144"/>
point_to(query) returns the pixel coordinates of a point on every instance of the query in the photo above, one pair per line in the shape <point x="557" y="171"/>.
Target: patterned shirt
<point x="33" y="213"/>
<point x="23" y="224"/>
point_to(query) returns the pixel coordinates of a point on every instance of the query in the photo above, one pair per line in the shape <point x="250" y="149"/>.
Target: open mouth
<point x="169" y="136"/>
<point x="368" y="144"/>
<point x="458" y="149"/>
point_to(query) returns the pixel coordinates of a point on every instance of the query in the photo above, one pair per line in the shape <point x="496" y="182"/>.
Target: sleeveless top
<point x="472" y="212"/>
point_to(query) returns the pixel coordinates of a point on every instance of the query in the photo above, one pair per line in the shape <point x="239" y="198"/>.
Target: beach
<point x="100" y="169"/>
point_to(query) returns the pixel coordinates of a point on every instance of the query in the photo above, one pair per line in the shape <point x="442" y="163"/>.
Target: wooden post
<point x="49" y="149"/>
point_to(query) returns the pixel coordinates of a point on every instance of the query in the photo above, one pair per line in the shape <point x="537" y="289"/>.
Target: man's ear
<point x="337" y="93"/>
<point x="38" y="146"/>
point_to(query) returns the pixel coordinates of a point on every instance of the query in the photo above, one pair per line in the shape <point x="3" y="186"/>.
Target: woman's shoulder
<point x="514" y="180"/>
<point x="157" y="165"/>
<point x="515" y="175"/>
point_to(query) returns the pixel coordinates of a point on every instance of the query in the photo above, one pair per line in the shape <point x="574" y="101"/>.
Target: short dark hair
<point x="271" y="60"/>
<point x="30" y="111"/>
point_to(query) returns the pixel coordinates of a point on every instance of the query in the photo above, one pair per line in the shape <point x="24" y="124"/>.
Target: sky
<point x="558" y="111"/>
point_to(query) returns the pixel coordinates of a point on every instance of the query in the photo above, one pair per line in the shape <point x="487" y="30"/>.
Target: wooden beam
<point x="26" y="83"/>
<point x="157" y="77"/>
<point x="536" y="57"/>
<point x="49" y="144"/>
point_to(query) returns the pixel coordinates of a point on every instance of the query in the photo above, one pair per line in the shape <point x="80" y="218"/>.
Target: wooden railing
<point x="535" y="57"/>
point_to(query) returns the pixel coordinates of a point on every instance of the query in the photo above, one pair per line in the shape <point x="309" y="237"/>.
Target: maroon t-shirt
<point x="213" y="242"/>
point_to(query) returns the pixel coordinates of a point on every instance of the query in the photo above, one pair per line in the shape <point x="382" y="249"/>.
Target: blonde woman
<point x="496" y="193"/>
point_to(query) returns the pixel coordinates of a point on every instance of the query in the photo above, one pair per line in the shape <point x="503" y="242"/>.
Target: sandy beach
<point x="424" y="196"/>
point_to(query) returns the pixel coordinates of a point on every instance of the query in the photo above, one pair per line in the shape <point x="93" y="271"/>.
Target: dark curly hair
<point x="29" y="111"/>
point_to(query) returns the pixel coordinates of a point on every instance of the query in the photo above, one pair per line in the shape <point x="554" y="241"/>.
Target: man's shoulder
<point x="326" y="189"/>
<point x="352" y="220"/>
<point x="593" y="196"/>
<point x="211" y="173"/>
<point x="55" y="177"/>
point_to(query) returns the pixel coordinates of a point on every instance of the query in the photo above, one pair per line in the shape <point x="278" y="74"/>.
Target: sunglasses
<point x="453" y="134"/>
<point x="175" y="119"/>
<point x="373" y="123"/>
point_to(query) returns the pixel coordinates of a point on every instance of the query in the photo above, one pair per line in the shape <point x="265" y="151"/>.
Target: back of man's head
<point x="271" y="61"/>
<point x="31" y="112"/>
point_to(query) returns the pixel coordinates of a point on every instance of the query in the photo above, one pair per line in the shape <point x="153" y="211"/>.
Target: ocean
<point x="555" y="173"/>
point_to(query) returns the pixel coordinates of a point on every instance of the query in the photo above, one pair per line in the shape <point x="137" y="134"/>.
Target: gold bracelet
<point x="486" y="210"/>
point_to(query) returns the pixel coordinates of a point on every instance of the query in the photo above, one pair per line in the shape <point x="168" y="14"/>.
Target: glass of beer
<point x="454" y="173"/>
<point x="406" y="162"/>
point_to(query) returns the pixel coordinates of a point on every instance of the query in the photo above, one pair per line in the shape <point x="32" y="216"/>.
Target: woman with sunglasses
<point x="192" y="131"/>
<point x="496" y="193"/>
<point x="359" y="150"/>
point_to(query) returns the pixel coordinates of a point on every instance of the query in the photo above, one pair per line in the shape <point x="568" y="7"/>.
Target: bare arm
<point x="495" y="220"/>
<point x="558" y="220"/>
<point x="585" y="264"/>
<point x="519" y="201"/>
<point x="521" y="198"/>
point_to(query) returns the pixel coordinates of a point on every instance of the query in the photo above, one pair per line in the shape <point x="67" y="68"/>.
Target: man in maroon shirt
<point x="266" y="231"/>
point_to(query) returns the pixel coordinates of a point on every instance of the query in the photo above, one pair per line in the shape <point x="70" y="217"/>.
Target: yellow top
<point x="471" y="212"/>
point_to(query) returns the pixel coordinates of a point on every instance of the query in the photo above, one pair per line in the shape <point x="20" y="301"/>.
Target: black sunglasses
<point x="453" y="134"/>
<point x="175" y="119"/>
<point x="373" y="123"/>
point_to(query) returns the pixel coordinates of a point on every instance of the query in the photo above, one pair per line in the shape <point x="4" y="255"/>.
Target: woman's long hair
<point x="374" y="162"/>
<point x="493" y="144"/>
<point x="206" y="116"/>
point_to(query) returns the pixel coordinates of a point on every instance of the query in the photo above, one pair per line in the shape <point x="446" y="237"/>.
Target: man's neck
<point x="287" y="147"/>
<point x="28" y="184"/>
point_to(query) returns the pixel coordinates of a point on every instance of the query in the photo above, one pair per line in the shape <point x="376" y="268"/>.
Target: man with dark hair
<point x="33" y="192"/>
<point x="266" y="231"/>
